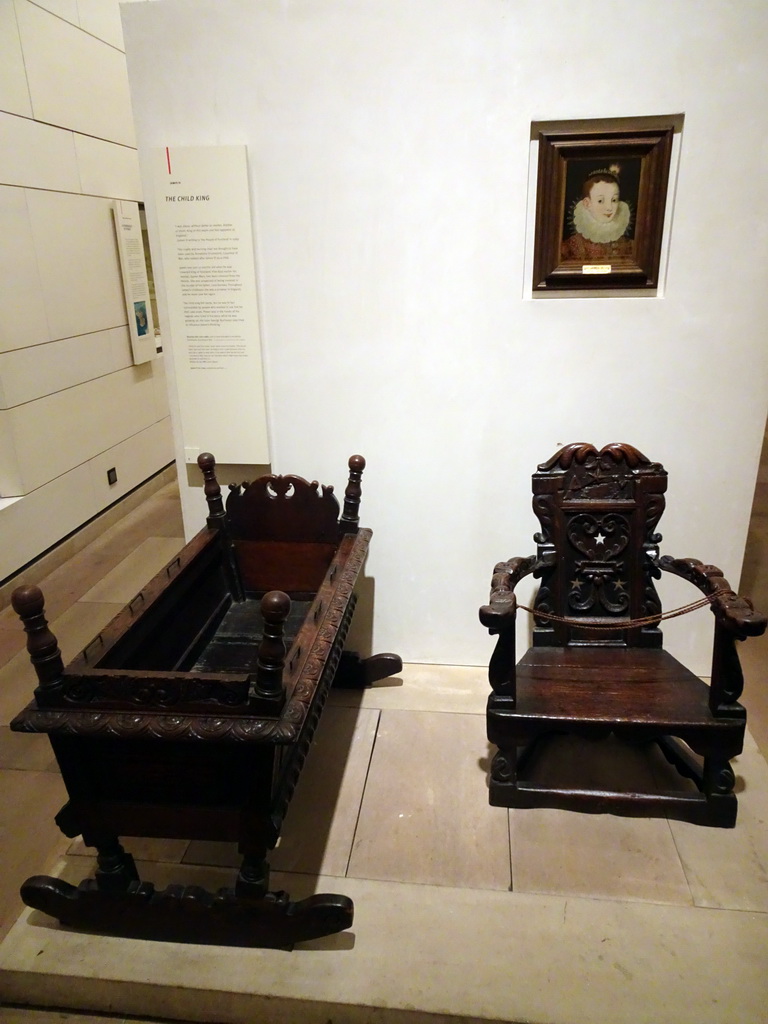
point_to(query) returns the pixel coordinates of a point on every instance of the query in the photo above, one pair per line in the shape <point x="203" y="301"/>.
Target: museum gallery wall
<point x="392" y="178"/>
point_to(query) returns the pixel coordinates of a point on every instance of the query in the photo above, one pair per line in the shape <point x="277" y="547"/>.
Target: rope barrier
<point x="648" y="620"/>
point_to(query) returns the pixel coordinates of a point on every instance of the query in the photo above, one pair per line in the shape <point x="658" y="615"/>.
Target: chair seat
<point x="625" y="689"/>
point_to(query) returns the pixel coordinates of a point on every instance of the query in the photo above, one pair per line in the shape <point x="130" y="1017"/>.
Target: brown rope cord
<point x="648" y="620"/>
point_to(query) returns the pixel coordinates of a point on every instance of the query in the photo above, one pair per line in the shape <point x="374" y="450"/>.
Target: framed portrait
<point x="600" y="206"/>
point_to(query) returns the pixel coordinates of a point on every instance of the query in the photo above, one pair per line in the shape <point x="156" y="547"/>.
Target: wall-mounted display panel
<point x="135" y="283"/>
<point x="206" y="244"/>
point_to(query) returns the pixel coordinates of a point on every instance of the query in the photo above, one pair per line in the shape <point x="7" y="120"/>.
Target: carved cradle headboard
<point x="284" y="530"/>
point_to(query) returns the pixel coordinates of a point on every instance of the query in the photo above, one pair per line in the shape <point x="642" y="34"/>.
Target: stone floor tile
<point x="425" y="815"/>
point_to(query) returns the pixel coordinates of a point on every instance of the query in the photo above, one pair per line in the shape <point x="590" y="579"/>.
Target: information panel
<point x="135" y="283"/>
<point x="206" y="242"/>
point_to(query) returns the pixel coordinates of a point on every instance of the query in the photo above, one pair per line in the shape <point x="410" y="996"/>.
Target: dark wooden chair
<point x="597" y="667"/>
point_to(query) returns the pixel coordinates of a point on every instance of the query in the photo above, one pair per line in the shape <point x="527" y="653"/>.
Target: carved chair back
<point x="597" y="546"/>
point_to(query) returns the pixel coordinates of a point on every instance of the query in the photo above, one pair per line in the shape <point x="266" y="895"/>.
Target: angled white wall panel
<point x="75" y="80"/>
<point x="66" y="9"/>
<point x="37" y="155"/>
<point x="160" y="383"/>
<point x="14" y="94"/>
<point x="22" y="311"/>
<point x="74" y="239"/>
<point x="10" y="474"/>
<point x="102" y="18"/>
<point x="61" y="431"/>
<point x="29" y="374"/>
<point x="119" y="340"/>
<point x="107" y="169"/>
<point x="134" y="459"/>
<point x="37" y="521"/>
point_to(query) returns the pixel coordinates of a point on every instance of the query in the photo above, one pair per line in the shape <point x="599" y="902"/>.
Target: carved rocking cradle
<point x="190" y="715"/>
<point x="597" y="667"/>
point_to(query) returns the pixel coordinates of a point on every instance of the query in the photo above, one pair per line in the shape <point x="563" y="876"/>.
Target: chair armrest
<point x="734" y="613"/>
<point x="500" y="612"/>
<point x="499" y="617"/>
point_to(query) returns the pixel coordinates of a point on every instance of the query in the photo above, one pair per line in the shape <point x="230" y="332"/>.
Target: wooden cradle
<point x="190" y="715"/>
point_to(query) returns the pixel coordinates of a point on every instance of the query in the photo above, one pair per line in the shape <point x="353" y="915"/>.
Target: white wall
<point x="389" y="151"/>
<point x="72" y="404"/>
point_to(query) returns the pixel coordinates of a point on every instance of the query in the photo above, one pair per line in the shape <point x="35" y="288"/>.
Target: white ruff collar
<point x="610" y="231"/>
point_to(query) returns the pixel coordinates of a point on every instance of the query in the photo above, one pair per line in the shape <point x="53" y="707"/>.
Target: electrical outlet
<point x="111" y="476"/>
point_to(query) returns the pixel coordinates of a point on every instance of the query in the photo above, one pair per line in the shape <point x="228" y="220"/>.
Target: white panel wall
<point x="389" y="148"/>
<point x="72" y="405"/>
<point x="74" y="239"/>
<point x="73" y="498"/>
<point x="14" y="93"/>
<point x="27" y="374"/>
<point x="74" y="79"/>
<point x="22" y="321"/>
<point x="37" y="155"/>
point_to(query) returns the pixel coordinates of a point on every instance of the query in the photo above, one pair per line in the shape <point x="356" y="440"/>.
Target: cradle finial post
<point x="217" y="520"/>
<point x="275" y="607"/>
<point x="212" y="490"/>
<point x="350" y="517"/>
<point x="44" y="653"/>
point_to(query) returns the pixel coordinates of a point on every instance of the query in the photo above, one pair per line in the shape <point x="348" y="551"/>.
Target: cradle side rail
<point x="93" y="695"/>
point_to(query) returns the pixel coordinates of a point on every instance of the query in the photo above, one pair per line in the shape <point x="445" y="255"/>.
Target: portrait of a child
<point x="600" y="220"/>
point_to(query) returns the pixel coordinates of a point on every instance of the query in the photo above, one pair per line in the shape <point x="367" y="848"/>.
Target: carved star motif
<point x="620" y="584"/>
<point x="600" y="537"/>
<point x="576" y="584"/>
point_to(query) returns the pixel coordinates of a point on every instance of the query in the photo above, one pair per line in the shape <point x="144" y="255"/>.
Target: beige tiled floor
<point x="609" y="919"/>
<point x="423" y="817"/>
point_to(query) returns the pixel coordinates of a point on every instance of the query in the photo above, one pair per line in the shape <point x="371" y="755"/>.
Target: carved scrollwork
<point x="544" y="510"/>
<point x="651" y="601"/>
<point x="600" y="579"/>
<point x="80" y="691"/>
<point x="543" y="603"/>
<point x="502" y="602"/>
<point x="581" y="452"/>
<point x="718" y="776"/>
<point x="598" y="584"/>
<point x="609" y="474"/>
<point x="152" y="692"/>
<point x="654" y="507"/>
<point x="602" y="537"/>
<point x="503" y="767"/>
